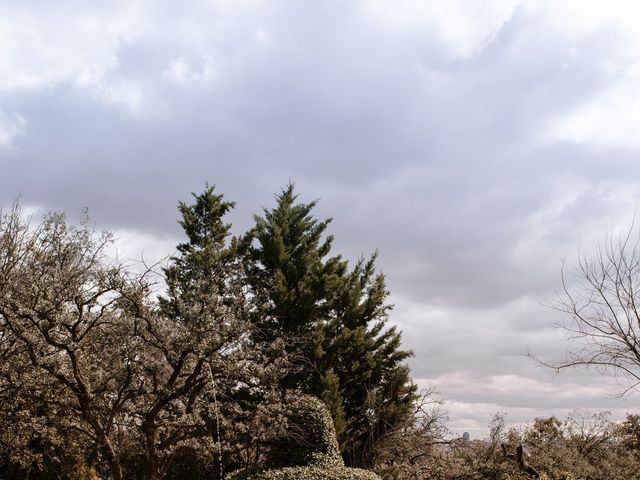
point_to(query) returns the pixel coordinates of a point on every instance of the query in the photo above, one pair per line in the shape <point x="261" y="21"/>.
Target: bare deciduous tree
<point x="602" y="311"/>
<point x="520" y="458"/>
<point x="92" y="361"/>
<point x="408" y="452"/>
<point x="57" y="305"/>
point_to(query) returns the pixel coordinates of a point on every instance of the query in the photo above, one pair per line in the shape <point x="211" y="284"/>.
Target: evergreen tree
<point x="284" y="255"/>
<point x="334" y="321"/>
<point x="207" y="286"/>
<point x="204" y="264"/>
<point x="377" y="392"/>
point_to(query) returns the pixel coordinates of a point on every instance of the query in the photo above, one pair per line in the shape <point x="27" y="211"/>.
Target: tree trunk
<point x="112" y="458"/>
<point x="520" y="460"/>
<point x="151" y="474"/>
<point x="152" y="468"/>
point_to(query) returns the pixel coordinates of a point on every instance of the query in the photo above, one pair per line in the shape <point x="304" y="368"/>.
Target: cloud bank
<point x="475" y="146"/>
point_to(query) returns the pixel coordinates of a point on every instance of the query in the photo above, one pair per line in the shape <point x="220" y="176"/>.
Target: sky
<point x="476" y="145"/>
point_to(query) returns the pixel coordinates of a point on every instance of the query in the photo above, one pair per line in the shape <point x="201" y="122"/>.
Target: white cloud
<point x="579" y="18"/>
<point x="10" y="127"/>
<point x="124" y="94"/>
<point x="41" y="50"/>
<point x="463" y="27"/>
<point x="133" y="245"/>
<point x="46" y="47"/>
<point x="612" y="119"/>
<point x="183" y="72"/>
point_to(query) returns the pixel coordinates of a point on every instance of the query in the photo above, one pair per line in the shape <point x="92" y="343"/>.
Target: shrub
<point x="308" y="450"/>
<point x="305" y="473"/>
<point x="310" y="438"/>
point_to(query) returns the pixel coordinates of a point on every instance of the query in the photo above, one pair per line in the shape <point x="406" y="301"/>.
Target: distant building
<point x="466" y="437"/>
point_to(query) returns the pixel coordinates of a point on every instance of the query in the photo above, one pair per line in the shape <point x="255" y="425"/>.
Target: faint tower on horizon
<point x="466" y="437"/>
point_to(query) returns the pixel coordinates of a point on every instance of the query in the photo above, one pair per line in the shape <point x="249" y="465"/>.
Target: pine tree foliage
<point x="366" y="355"/>
<point x="206" y="290"/>
<point x="284" y="255"/>
<point x="285" y="251"/>
<point x="206" y="282"/>
<point x="334" y="319"/>
<point x="204" y="263"/>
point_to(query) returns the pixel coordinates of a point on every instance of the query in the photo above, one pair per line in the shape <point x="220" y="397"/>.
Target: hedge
<point x="308" y="451"/>
<point x="305" y="473"/>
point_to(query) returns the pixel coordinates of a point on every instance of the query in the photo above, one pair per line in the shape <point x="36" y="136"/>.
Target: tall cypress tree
<point x="334" y="322"/>
<point x="204" y="264"/>
<point x="207" y="290"/>
<point x="366" y="355"/>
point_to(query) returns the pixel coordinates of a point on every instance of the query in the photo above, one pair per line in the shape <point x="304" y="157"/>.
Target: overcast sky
<point x="476" y="144"/>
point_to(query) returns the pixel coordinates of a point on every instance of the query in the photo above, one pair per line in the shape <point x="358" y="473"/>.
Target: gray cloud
<point x="448" y="139"/>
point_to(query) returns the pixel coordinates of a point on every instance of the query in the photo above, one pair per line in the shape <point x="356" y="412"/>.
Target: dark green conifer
<point x="334" y="322"/>
<point x="377" y="392"/>
<point x="204" y="266"/>
<point x="285" y="265"/>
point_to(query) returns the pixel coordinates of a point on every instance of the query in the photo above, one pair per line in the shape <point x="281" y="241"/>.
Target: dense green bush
<point x="310" y="438"/>
<point x="308" y="450"/>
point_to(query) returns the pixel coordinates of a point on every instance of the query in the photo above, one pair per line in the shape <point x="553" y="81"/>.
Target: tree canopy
<point x="333" y="317"/>
<point x="129" y="371"/>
